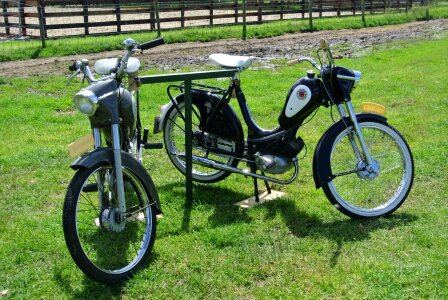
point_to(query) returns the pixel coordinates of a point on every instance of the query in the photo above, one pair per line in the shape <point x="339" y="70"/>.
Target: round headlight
<point x="357" y="77"/>
<point x="86" y="102"/>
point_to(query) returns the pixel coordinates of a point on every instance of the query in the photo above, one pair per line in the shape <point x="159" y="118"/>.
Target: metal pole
<point x="188" y="143"/>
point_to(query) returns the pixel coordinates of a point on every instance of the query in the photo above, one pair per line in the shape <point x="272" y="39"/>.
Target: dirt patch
<point x="171" y="57"/>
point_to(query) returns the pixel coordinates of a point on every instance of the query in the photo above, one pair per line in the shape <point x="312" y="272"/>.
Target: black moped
<point x="363" y="164"/>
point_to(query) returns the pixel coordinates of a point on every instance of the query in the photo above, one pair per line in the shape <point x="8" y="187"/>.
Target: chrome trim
<point x="341" y="110"/>
<point x="219" y="166"/>
<point x="346" y="77"/>
<point x="311" y="61"/>
<point x="90" y="96"/>
<point x="97" y="137"/>
<point x="118" y="168"/>
<point x="357" y="77"/>
<point x="352" y="115"/>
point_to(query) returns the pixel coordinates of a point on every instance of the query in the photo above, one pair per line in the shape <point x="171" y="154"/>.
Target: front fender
<point x="106" y="155"/>
<point x="321" y="161"/>
<point x="90" y="159"/>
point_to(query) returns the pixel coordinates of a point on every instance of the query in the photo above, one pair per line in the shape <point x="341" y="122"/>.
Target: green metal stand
<point x="187" y="78"/>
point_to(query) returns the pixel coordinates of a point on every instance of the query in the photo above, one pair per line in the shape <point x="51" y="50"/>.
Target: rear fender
<point x="321" y="161"/>
<point x="225" y="124"/>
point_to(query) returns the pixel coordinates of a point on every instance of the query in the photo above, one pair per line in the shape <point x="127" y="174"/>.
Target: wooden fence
<point x="57" y="18"/>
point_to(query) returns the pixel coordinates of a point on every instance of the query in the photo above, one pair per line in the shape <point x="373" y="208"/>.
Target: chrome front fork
<point x="358" y="134"/>
<point x="118" y="166"/>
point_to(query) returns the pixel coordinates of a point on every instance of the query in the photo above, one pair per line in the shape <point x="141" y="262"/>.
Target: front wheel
<point x="106" y="245"/>
<point x="363" y="191"/>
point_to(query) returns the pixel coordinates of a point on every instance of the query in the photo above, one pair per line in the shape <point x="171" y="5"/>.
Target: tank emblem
<point x="302" y="94"/>
<point x="299" y="98"/>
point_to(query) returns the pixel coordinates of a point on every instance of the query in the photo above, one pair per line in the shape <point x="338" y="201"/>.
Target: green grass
<point x="19" y="50"/>
<point x="296" y="247"/>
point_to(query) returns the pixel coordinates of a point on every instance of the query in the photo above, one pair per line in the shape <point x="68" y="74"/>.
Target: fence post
<point x="310" y="13"/>
<point x="152" y="18"/>
<point x="303" y="8"/>
<point x="244" y="20"/>
<point x="21" y="10"/>
<point x="282" y="3"/>
<point x="363" y="12"/>
<point x="118" y="14"/>
<point x="235" y="4"/>
<point x="320" y="8"/>
<point x="211" y="12"/>
<point x="41" y="15"/>
<point x="156" y="11"/>
<point x="354" y="7"/>
<point x="236" y="11"/>
<point x="85" y="12"/>
<point x="5" y="17"/>
<point x="260" y="11"/>
<point x="182" y="14"/>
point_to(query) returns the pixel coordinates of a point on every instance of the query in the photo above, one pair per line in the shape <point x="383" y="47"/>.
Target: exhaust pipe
<point x="220" y="166"/>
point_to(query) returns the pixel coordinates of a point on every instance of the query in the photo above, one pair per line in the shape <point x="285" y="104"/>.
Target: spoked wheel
<point x="363" y="191"/>
<point x="174" y="139"/>
<point x="106" y="245"/>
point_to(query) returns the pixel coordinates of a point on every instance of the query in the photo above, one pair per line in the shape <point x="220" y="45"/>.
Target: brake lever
<point x="71" y="77"/>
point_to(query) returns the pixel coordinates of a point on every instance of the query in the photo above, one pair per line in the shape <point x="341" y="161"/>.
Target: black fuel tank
<point x="303" y="98"/>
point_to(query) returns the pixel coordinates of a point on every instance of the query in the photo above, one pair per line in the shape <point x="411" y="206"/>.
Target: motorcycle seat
<point x="107" y="66"/>
<point x="232" y="61"/>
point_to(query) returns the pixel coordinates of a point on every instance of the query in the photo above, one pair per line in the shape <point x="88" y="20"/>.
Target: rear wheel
<point x="108" y="246"/>
<point x="174" y="139"/>
<point x="363" y="191"/>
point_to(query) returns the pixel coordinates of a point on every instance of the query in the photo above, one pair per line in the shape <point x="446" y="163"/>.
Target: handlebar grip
<point x="151" y="44"/>
<point x="73" y="67"/>
<point x="292" y="62"/>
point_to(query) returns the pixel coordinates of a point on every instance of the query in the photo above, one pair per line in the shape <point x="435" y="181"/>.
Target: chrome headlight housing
<point x="357" y="77"/>
<point x="86" y="102"/>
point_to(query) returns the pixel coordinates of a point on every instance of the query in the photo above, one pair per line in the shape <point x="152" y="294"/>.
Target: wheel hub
<point x="368" y="171"/>
<point x="110" y="219"/>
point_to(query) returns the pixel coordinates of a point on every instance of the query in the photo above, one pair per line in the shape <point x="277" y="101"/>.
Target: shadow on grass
<point x="90" y="289"/>
<point x="343" y="231"/>
<point x="220" y="198"/>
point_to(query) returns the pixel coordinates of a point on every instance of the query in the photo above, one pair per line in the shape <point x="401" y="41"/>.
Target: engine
<point x="275" y="156"/>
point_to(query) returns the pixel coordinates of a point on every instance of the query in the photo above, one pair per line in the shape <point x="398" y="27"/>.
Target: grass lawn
<point x="296" y="247"/>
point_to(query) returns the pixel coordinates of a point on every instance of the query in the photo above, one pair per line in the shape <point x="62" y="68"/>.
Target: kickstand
<point x="257" y="199"/>
<point x="268" y="188"/>
<point x="253" y="169"/>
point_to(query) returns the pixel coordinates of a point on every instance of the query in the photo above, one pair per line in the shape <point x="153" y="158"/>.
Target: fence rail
<point x="57" y="18"/>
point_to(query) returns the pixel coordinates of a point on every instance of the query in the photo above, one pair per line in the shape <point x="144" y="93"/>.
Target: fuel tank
<point x="303" y="98"/>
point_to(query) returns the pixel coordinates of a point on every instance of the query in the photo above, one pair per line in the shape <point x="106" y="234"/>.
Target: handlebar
<point x="302" y="59"/>
<point x="151" y="44"/>
<point x="131" y="47"/>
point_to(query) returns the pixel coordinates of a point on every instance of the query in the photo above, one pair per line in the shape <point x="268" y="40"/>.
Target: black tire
<point x="174" y="140"/>
<point x="363" y="194"/>
<point x="105" y="250"/>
